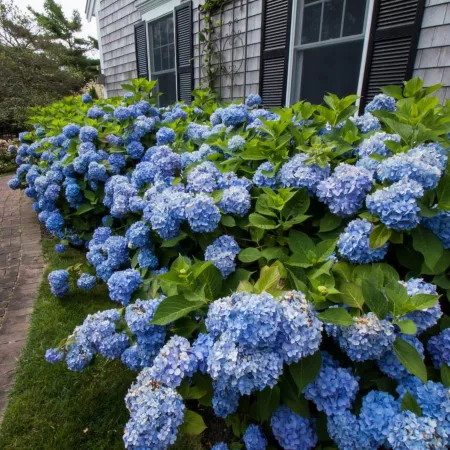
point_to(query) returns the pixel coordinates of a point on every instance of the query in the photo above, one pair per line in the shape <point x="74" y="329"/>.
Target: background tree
<point x="38" y="68"/>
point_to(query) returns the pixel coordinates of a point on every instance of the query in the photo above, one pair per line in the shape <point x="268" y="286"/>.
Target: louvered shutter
<point x="183" y="45"/>
<point x="393" y="43"/>
<point x="140" y="39"/>
<point x="275" y="36"/>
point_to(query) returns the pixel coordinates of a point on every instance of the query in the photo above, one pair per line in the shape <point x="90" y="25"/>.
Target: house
<point x="286" y="50"/>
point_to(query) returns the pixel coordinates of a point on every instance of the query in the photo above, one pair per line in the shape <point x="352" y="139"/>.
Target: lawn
<point x="53" y="408"/>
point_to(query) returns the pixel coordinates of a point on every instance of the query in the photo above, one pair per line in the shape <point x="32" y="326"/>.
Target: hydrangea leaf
<point x="410" y="358"/>
<point x="306" y="370"/>
<point x="249" y="255"/>
<point x="267" y="401"/>
<point x="84" y="209"/>
<point x="443" y="192"/>
<point x="409" y="403"/>
<point x="173" y="308"/>
<point x="379" y="236"/>
<point x="425" y="242"/>
<point x="193" y="423"/>
<point x="300" y="242"/>
<point x="325" y="249"/>
<point x="407" y="327"/>
<point x="269" y="279"/>
<point x="291" y="398"/>
<point x="374" y="299"/>
<point x="262" y="222"/>
<point x="329" y="223"/>
<point x="445" y="375"/>
<point x="336" y="316"/>
<point x="228" y="221"/>
<point x="351" y="295"/>
<point x="173" y="242"/>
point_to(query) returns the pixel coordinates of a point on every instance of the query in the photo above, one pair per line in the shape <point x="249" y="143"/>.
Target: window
<point x="162" y="58"/>
<point x="328" y="46"/>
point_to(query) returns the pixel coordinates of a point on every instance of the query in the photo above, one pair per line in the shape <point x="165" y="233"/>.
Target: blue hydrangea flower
<point x="366" y="123"/>
<point x="122" y="113"/>
<point x="334" y="389"/>
<point x="377" y="412"/>
<point x="95" y="112"/>
<point x="138" y="235"/>
<point x="96" y="172"/>
<point x="292" y="431"/>
<point x="222" y="252"/>
<point x="59" y="282"/>
<point x="174" y="362"/>
<point x="345" y="190"/>
<point x="353" y="244"/>
<point x="368" y="338"/>
<point x="254" y="438"/>
<point x="439" y="348"/>
<point x="345" y="430"/>
<point x="78" y="357"/>
<point x="253" y="100"/>
<point x="410" y="432"/>
<point x="432" y="153"/>
<point x="260" y="179"/>
<point x="296" y="173"/>
<point x="235" y="200"/>
<point x="236" y="143"/>
<point x="390" y="365"/>
<point x="234" y="115"/>
<point x="225" y="400"/>
<point x="427" y="318"/>
<point x="54" y="355"/>
<point x="165" y="161"/>
<point x="440" y="226"/>
<point x="86" y="98"/>
<point x="202" y="214"/>
<point x="203" y="178"/>
<point x="220" y="446"/>
<point x="71" y="130"/>
<point x="196" y="156"/>
<point x="300" y="330"/>
<point x="88" y="133"/>
<point x="201" y="348"/>
<point x="147" y="259"/>
<point x="111" y="347"/>
<point x="60" y="248"/>
<point x="156" y="412"/>
<point x="165" y="136"/>
<point x="86" y="282"/>
<point x="14" y="183"/>
<point x="122" y="284"/>
<point x="135" y="149"/>
<point x="396" y="205"/>
<point x="381" y="102"/>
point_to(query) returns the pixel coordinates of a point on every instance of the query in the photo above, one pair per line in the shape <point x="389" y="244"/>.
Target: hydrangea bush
<point x="285" y="271"/>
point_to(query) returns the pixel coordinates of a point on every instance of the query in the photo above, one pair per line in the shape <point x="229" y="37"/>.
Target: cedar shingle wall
<point x="116" y="20"/>
<point x="433" y="55"/>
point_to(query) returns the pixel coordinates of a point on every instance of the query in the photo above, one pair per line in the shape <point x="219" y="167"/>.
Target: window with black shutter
<point x="275" y="51"/>
<point x="392" y="44"/>
<point x="140" y="39"/>
<point x="183" y="46"/>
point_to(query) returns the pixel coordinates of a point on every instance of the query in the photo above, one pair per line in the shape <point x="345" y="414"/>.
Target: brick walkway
<point x="21" y="267"/>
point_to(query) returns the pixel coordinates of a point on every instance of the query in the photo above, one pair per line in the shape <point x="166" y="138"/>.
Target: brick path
<point x="21" y="267"/>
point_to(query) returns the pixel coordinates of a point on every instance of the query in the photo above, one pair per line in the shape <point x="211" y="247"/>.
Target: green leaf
<point x="412" y="86"/>
<point x="374" y="298"/>
<point x="393" y="91"/>
<point x="292" y="399"/>
<point x="379" y="236"/>
<point x="299" y="260"/>
<point x="420" y="302"/>
<point x="173" y="308"/>
<point x="269" y="279"/>
<point x="274" y="253"/>
<point x="329" y="222"/>
<point x="262" y="222"/>
<point x="306" y="370"/>
<point x="426" y="242"/>
<point x="89" y="195"/>
<point x="351" y="295"/>
<point x="234" y="279"/>
<point x="245" y="286"/>
<point x="409" y="403"/>
<point x="407" y="326"/>
<point x="267" y="401"/>
<point x="249" y="255"/>
<point x="173" y="242"/>
<point x="443" y="193"/>
<point x="84" y="209"/>
<point x="228" y="221"/>
<point x="193" y="423"/>
<point x="336" y="316"/>
<point x="300" y="242"/>
<point x="324" y="249"/>
<point x="410" y="358"/>
<point x="212" y="279"/>
<point x="445" y="375"/>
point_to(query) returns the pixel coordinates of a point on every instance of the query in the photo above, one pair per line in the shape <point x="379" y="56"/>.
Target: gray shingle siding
<point x="433" y="55"/>
<point x="116" y="20"/>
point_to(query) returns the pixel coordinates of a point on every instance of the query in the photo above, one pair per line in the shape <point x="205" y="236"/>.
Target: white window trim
<point x="155" y="14"/>
<point x="292" y="47"/>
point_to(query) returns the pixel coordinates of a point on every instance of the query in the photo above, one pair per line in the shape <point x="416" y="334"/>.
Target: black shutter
<point x="140" y="39"/>
<point x="393" y="40"/>
<point x="183" y="49"/>
<point x="275" y="36"/>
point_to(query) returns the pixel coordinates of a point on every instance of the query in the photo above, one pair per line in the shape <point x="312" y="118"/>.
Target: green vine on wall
<point x="206" y="36"/>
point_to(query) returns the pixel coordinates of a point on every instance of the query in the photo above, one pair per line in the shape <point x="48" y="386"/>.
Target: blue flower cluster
<point x="222" y="252"/>
<point x="254" y="438"/>
<point x="381" y="102"/>
<point x="59" y="282"/>
<point x="439" y="348"/>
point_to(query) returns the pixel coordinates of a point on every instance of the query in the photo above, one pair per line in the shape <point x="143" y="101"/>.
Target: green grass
<point x="53" y="408"/>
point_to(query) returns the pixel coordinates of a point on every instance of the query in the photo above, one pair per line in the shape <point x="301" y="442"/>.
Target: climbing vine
<point x="206" y="36"/>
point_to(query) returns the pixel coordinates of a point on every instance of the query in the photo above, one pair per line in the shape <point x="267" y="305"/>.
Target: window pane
<point x="167" y="87"/>
<point x="311" y="23"/>
<point x="164" y="37"/>
<point x="355" y="12"/>
<point x="332" y="19"/>
<point x="157" y="60"/>
<point x="170" y="29"/>
<point x="156" y="35"/>
<point x="339" y="75"/>
<point x="172" y="56"/>
<point x="165" y="58"/>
